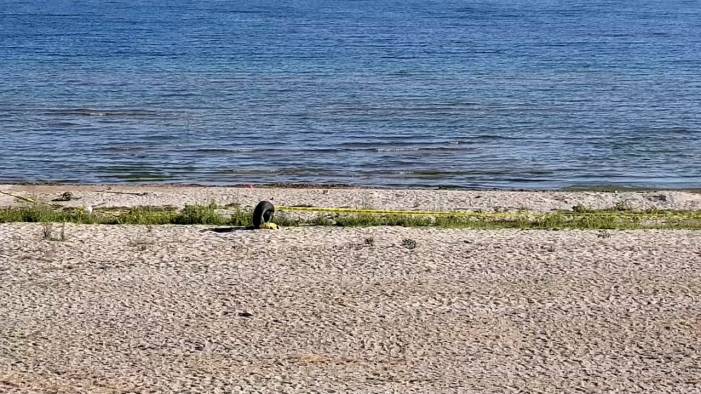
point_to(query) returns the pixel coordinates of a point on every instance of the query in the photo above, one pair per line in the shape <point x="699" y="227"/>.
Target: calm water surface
<point x="505" y="94"/>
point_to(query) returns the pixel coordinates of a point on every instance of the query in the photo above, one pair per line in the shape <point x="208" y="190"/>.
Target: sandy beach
<point x="400" y="199"/>
<point x="467" y="197"/>
<point x="116" y="309"/>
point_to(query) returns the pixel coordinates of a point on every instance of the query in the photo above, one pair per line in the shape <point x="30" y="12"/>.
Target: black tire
<point x="263" y="213"/>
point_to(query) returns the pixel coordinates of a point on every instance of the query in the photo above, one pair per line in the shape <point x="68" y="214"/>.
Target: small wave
<point x="122" y="148"/>
<point x="62" y="124"/>
<point x="240" y="12"/>
<point x="449" y="147"/>
<point x="482" y="137"/>
<point x="139" y="113"/>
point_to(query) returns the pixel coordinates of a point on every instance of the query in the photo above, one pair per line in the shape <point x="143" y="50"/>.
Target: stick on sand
<point x="130" y="193"/>
<point x="19" y="197"/>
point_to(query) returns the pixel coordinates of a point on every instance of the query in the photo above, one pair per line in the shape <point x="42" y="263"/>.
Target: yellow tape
<point x="390" y="212"/>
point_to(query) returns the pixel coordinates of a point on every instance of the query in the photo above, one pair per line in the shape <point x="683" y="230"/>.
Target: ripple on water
<point x="507" y="94"/>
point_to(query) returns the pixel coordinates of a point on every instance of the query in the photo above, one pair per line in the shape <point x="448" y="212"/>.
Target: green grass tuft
<point x="212" y="214"/>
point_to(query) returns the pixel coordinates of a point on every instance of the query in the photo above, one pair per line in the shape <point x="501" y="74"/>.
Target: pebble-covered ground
<point x="181" y="309"/>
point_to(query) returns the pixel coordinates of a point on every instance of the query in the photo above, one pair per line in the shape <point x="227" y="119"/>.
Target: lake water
<point x="488" y="94"/>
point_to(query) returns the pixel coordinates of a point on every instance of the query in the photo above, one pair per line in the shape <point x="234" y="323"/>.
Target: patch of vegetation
<point x="212" y="214"/>
<point x="47" y="231"/>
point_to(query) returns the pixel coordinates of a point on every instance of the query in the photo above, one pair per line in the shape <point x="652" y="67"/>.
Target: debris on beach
<point x="263" y="214"/>
<point x="66" y="196"/>
<point x="140" y="194"/>
<point x="25" y="199"/>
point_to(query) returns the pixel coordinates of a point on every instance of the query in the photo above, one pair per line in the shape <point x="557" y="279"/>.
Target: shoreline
<point x="593" y="188"/>
<point x="356" y="198"/>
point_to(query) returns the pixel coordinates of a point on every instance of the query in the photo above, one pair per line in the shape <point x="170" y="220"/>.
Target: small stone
<point x="245" y="314"/>
<point x="409" y="243"/>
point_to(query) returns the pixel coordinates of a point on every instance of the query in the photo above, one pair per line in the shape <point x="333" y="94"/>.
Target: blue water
<point x="488" y="94"/>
